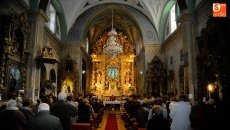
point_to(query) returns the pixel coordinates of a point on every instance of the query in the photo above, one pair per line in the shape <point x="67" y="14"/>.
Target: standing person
<point x="180" y="113"/>
<point x="64" y="111"/>
<point x="157" y="118"/>
<point x="84" y="111"/>
<point x="35" y="107"/>
<point x="12" y="118"/>
<point x="44" y="120"/>
<point x="142" y="115"/>
<point x="26" y="110"/>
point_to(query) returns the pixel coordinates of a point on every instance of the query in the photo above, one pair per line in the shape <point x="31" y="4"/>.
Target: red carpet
<point x="111" y="123"/>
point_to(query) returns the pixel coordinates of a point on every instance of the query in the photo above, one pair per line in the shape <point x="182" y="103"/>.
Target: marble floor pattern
<point x="120" y="122"/>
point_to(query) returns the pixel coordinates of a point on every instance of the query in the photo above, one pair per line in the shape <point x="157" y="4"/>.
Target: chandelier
<point x="112" y="46"/>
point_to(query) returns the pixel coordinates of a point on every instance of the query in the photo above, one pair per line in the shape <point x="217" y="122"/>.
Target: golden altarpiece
<point x="68" y="76"/>
<point x="113" y="75"/>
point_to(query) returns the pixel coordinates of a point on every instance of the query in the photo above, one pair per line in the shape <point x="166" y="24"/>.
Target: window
<point x="53" y="24"/>
<point x="171" y="23"/>
<point x="173" y="19"/>
<point x="51" y="12"/>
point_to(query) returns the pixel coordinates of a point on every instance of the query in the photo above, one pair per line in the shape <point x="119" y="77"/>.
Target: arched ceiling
<point x="93" y="22"/>
<point x="144" y="13"/>
<point x="131" y="14"/>
<point x="122" y="21"/>
<point x="151" y="8"/>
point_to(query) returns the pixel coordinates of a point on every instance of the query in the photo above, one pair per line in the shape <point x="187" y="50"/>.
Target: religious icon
<point x="112" y="72"/>
<point x="15" y="76"/>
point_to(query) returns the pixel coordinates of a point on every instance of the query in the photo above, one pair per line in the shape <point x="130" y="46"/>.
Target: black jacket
<point x="64" y="111"/>
<point x="44" y="121"/>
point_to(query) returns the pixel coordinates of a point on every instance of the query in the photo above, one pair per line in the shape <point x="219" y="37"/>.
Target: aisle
<point x="111" y="123"/>
<point x="119" y="121"/>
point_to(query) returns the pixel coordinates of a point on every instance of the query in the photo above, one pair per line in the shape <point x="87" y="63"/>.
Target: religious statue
<point x="68" y="91"/>
<point x="13" y="82"/>
<point x="45" y="52"/>
<point x="98" y="77"/>
<point x="127" y="76"/>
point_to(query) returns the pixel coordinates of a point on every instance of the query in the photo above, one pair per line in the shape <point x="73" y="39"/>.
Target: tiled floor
<point x="119" y="120"/>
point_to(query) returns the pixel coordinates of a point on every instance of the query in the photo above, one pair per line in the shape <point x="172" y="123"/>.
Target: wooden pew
<point x="81" y="126"/>
<point x="141" y="129"/>
<point x="95" y="120"/>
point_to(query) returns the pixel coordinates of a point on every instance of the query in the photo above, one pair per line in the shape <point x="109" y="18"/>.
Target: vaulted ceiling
<point x="139" y="19"/>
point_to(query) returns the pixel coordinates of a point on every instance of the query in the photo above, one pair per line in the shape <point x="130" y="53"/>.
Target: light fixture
<point x="112" y="46"/>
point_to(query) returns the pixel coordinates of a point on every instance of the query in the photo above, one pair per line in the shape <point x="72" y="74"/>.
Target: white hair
<point x="43" y="107"/>
<point x="18" y="99"/>
<point x="11" y="105"/>
<point x="62" y="96"/>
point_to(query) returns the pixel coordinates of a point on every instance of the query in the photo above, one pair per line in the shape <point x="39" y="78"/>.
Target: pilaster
<point x="37" y="21"/>
<point x="188" y="22"/>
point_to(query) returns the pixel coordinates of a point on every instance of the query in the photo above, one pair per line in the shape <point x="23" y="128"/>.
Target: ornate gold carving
<point x="128" y="47"/>
<point x="68" y="76"/>
<point x="122" y="80"/>
<point x="13" y="51"/>
<point x="47" y="54"/>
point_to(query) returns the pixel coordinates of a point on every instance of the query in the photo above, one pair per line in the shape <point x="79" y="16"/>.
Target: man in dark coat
<point x="64" y="111"/>
<point x="44" y="120"/>
<point x="142" y="115"/>
<point x="12" y="118"/>
<point x="27" y="111"/>
<point x="84" y="111"/>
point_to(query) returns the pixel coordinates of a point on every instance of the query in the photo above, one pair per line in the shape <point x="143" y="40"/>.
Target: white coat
<point x="179" y="114"/>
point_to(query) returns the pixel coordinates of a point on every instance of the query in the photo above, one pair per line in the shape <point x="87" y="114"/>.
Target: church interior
<point x="114" y="48"/>
<point x="110" y="49"/>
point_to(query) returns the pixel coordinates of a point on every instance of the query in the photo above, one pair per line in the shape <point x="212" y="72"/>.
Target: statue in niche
<point x="45" y="52"/>
<point x="47" y="89"/>
<point x="12" y="86"/>
<point x="106" y="85"/>
<point x="127" y="76"/>
<point x="68" y="91"/>
<point x="98" y="77"/>
<point x="14" y="81"/>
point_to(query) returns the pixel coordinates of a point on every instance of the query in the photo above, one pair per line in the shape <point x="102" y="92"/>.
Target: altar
<point x="111" y="102"/>
<point x="112" y="105"/>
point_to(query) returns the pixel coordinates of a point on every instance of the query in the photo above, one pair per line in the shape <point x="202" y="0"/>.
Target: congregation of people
<point x="59" y="113"/>
<point x="49" y="113"/>
<point x="158" y="113"/>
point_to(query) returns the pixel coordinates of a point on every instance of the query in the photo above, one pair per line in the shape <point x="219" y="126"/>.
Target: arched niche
<point x="53" y="75"/>
<point x="43" y="73"/>
<point x="68" y="76"/>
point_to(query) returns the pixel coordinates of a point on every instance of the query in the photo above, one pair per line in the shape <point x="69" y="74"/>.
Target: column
<point x="37" y="21"/>
<point x="188" y="23"/>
